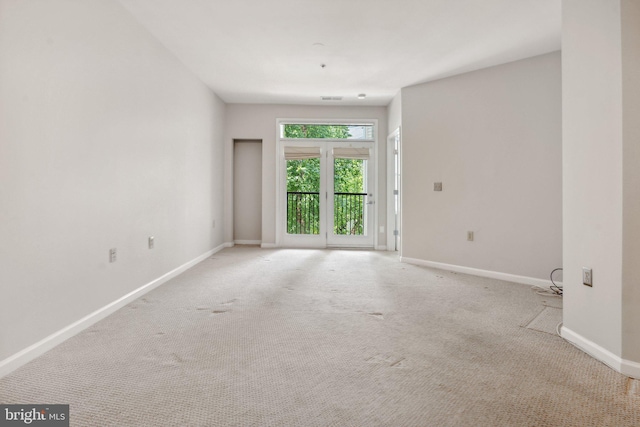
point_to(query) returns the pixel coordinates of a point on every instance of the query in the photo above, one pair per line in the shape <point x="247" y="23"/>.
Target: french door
<point x="329" y="198"/>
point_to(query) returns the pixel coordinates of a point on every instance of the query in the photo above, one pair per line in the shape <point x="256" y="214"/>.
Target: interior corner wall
<point x="394" y="116"/>
<point x="493" y="138"/>
<point x="258" y="121"/>
<point x="105" y="139"/>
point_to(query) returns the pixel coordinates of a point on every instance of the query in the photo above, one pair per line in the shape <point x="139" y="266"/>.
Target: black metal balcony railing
<point x="348" y="213"/>
<point x="303" y="213"/>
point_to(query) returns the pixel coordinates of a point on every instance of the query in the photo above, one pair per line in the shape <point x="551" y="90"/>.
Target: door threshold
<point x="351" y="247"/>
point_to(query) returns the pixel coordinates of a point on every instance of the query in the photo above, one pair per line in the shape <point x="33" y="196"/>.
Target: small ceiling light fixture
<point x="362" y="96"/>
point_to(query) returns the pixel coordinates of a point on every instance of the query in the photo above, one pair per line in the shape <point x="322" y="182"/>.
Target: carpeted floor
<point x="255" y="337"/>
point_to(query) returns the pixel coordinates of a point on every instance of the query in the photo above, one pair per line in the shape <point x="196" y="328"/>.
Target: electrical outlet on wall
<point x="152" y="242"/>
<point x="470" y="236"/>
<point x="587" y="276"/>
<point x="437" y="186"/>
<point x="112" y="255"/>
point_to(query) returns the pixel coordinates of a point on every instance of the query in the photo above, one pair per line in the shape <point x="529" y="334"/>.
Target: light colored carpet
<point x="547" y="320"/>
<point x="257" y="337"/>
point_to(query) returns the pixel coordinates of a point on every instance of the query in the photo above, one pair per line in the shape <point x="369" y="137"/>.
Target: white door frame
<point x="391" y="171"/>
<point x="368" y="240"/>
<point x="299" y="240"/>
<point x="281" y="185"/>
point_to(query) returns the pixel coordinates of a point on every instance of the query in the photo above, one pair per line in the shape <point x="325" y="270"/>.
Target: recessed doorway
<point x="247" y="192"/>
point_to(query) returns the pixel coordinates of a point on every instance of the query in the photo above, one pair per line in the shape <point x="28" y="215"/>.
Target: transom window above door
<point x="349" y="132"/>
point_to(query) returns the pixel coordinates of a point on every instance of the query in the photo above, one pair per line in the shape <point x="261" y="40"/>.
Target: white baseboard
<point x="269" y="246"/>
<point x="28" y="354"/>
<point x="381" y="248"/>
<point x="228" y="244"/>
<point x="625" y="367"/>
<point x="247" y="242"/>
<point x="477" y="272"/>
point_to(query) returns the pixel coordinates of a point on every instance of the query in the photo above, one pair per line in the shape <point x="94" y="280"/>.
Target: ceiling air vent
<point x="332" y="98"/>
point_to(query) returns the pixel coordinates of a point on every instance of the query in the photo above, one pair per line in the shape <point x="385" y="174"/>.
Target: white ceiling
<point x="264" y="51"/>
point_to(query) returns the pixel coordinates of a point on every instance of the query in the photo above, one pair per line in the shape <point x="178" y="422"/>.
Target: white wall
<point x="630" y="40"/>
<point x="493" y="138"/>
<point x="592" y="139"/>
<point x="250" y="121"/>
<point x="105" y="139"/>
<point x="601" y="150"/>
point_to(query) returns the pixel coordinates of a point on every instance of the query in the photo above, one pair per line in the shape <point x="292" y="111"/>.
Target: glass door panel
<point x="350" y="201"/>
<point x="304" y="210"/>
<point x="303" y="196"/>
<point x="349" y="197"/>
